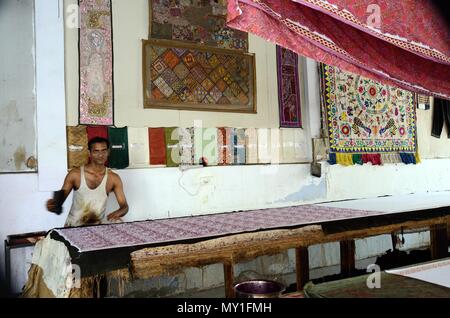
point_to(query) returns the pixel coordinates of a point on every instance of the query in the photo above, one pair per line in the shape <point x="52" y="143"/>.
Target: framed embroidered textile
<point x="195" y="21"/>
<point x="364" y="116"/>
<point x="178" y="75"/>
<point x="96" y="104"/>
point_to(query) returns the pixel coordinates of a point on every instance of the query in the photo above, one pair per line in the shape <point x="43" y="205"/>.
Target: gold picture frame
<point x="185" y="76"/>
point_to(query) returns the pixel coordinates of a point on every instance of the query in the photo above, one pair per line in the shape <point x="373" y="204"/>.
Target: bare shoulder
<point x="75" y="172"/>
<point x="114" y="176"/>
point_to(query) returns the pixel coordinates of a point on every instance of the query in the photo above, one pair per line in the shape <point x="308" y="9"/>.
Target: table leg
<point x="439" y="241"/>
<point x="302" y="266"/>
<point x="347" y="257"/>
<point x="229" y="279"/>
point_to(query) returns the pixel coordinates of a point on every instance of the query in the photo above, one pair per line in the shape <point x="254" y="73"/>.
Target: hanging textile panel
<point x="77" y="146"/>
<point x="365" y="116"/>
<point x="383" y="40"/>
<point x="118" y="156"/>
<point x="157" y="142"/>
<point x="195" y="21"/>
<point x="251" y="146"/>
<point x="239" y="151"/>
<point x="172" y="139"/>
<point x="193" y="77"/>
<point x="96" y="63"/>
<point x="138" y="147"/>
<point x="288" y="88"/>
<point x="225" y="149"/>
<point x="186" y="145"/>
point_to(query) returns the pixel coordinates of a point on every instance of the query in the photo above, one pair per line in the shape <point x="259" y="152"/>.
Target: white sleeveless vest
<point x="88" y="205"/>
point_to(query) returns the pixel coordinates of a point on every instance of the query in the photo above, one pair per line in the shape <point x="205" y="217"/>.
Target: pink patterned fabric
<point x="178" y="229"/>
<point x="409" y="49"/>
<point x="96" y="63"/>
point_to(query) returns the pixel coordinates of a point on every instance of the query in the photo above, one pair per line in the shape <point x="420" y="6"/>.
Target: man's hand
<point x="51" y="206"/>
<point x="114" y="217"/>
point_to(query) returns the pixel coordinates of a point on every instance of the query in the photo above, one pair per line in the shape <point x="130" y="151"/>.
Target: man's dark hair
<point x="97" y="140"/>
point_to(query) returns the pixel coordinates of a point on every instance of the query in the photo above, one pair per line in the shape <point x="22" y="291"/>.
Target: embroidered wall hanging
<point x="194" y="77"/>
<point x="288" y="88"/>
<point x="364" y="116"/>
<point x="96" y="63"/>
<point x="195" y="21"/>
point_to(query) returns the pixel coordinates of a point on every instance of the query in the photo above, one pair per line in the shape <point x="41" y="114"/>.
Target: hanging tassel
<point x="417" y="157"/>
<point x="357" y="159"/>
<point x="344" y="159"/>
<point x="332" y="159"/>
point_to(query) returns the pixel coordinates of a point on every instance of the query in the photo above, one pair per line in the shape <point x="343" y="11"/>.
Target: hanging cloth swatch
<point x="172" y="139"/>
<point x="224" y="146"/>
<point x="441" y="114"/>
<point x="96" y="103"/>
<point x="275" y="146"/>
<point x="251" y="146"/>
<point x="264" y="151"/>
<point x="239" y="150"/>
<point x="210" y="151"/>
<point x="157" y="146"/>
<point x="77" y="146"/>
<point x="186" y="145"/>
<point x="138" y="148"/>
<point x="118" y="157"/>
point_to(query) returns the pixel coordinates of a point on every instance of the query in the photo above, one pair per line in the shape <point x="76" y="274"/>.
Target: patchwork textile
<point x="239" y="151"/>
<point x="383" y="40"/>
<point x="288" y="88"/>
<point x="196" y="21"/>
<point x="118" y="157"/>
<point x="172" y="138"/>
<point x="138" y="147"/>
<point x="77" y="146"/>
<point x="192" y="77"/>
<point x="157" y="144"/>
<point x="364" y="116"/>
<point x="186" y="145"/>
<point x="225" y="146"/>
<point x="96" y="63"/>
<point x="92" y="238"/>
<point x="251" y="146"/>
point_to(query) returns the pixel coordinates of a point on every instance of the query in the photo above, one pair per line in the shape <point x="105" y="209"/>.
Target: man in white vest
<point x="92" y="184"/>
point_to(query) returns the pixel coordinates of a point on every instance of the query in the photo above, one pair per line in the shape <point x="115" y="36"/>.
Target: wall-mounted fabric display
<point x="251" y="146"/>
<point x="264" y="150"/>
<point x="441" y="115"/>
<point x="291" y="146"/>
<point x="367" y="117"/>
<point x="225" y="146"/>
<point x="118" y="157"/>
<point x="138" y="147"/>
<point x="157" y="142"/>
<point x="239" y="151"/>
<point x="288" y="88"/>
<point x="77" y="146"/>
<point x="195" y="77"/>
<point x="96" y="104"/>
<point x="172" y="138"/>
<point x="275" y="146"/>
<point x="423" y="101"/>
<point x="195" y="21"/>
<point x="209" y="146"/>
<point x="186" y="145"/>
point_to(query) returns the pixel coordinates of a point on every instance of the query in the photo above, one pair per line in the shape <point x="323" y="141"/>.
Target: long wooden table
<point x="170" y="257"/>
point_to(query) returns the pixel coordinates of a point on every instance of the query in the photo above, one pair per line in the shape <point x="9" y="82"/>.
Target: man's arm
<point x="121" y="200"/>
<point x="68" y="185"/>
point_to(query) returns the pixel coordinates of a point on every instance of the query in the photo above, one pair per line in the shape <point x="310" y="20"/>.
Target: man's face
<point x="99" y="153"/>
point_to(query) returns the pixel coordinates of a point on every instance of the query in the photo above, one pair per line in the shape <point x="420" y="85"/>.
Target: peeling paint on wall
<point x="19" y="157"/>
<point x="311" y="192"/>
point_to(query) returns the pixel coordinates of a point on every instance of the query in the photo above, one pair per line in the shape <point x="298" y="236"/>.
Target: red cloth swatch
<point x="157" y="143"/>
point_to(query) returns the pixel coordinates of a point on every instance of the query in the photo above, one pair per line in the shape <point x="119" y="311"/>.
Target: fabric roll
<point x="239" y="150"/>
<point x="264" y="151"/>
<point x="224" y="146"/>
<point x="172" y="139"/>
<point x="210" y="151"/>
<point x="118" y="157"/>
<point x="138" y="147"/>
<point x="186" y="145"/>
<point x="157" y="146"/>
<point x="77" y="147"/>
<point x="251" y="146"/>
